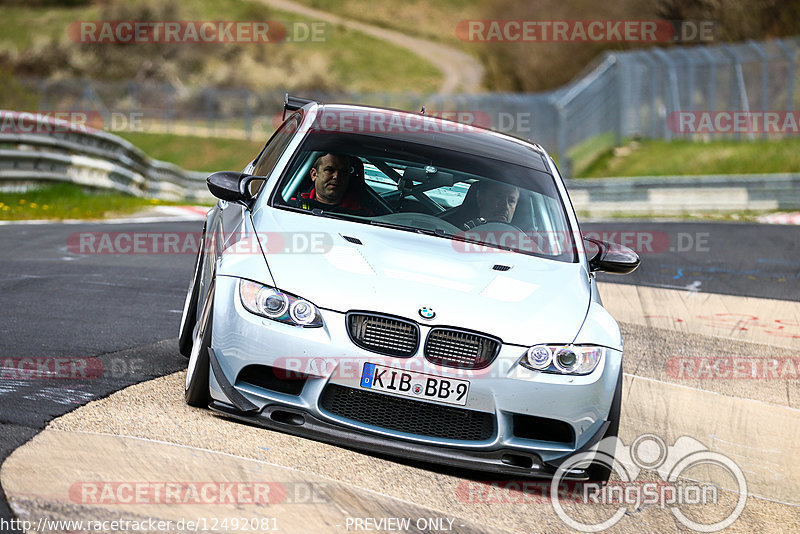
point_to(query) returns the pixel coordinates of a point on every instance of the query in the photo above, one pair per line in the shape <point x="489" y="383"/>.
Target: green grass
<point x="435" y="21"/>
<point x="667" y="158"/>
<point x="21" y="27"/>
<point x="355" y="60"/>
<point x="363" y="63"/>
<point x="206" y="154"/>
<point x="68" y="201"/>
<point x="343" y="59"/>
<point x="585" y="154"/>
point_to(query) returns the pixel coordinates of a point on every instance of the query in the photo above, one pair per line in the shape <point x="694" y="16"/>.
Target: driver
<point x="496" y="203"/>
<point x="334" y="189"/>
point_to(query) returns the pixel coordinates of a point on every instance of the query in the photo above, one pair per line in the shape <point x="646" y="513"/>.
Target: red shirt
<point x="349" y="202"/>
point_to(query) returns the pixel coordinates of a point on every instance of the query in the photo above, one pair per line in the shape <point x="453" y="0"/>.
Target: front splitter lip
<point x="299" y="422"/>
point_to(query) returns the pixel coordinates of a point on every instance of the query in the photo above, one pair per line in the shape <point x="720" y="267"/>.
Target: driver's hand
<point x="469" y="225"/>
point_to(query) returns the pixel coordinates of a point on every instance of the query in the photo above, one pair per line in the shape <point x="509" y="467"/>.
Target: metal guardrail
<point x="630" y="94"/>
<point x="679" y="195"/>
<point x="48" y="149"/>
<point x="101" y="160"/>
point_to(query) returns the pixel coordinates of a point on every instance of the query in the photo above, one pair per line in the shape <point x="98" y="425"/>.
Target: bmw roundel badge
<point x="427" y="313"/>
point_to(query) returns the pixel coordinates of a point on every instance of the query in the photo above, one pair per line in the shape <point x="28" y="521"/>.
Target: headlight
<point x="563" y="359"/>
<point x="274" y="304"/>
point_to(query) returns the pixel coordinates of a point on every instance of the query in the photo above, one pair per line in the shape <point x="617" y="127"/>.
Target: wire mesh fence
<point x="743" y="91"/>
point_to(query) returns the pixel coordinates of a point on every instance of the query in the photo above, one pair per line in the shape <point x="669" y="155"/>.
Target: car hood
<point x="397" y="272"/>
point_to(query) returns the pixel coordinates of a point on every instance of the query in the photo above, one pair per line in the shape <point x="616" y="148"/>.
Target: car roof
<point x="427" y="130"/>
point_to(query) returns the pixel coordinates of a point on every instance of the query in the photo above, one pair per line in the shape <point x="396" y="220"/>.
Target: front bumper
<point x="303" y="423"/>
<point x="505" y="390"/>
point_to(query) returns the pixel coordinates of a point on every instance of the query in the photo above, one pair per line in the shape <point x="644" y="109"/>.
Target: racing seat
<point x="468" y="209"/>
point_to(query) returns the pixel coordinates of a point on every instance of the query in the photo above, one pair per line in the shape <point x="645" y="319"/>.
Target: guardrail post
<point x="649" y="62"/>
<point x="790" y="74"/>
<point x="712" y="79"/>
<point x="619" y="101"/>
<point x="671" y="95"/>
<point x="170" y="90"/>
<point x="737" y="83"/>
<point x="43" y="101"/>
<point x="561" y="143"/>
<point x="690" y="62"/>
<point x="248" y="114"/>
<point x="764" y="79"/>
<point x="208" y="106"/>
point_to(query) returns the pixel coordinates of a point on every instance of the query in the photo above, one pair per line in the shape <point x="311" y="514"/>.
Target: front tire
<point x="600" y="471"/>
<point x="196" y="388"/>
<point x="189" y="317"/>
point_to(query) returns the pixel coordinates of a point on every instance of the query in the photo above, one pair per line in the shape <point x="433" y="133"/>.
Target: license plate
<point x="418" y="385"/>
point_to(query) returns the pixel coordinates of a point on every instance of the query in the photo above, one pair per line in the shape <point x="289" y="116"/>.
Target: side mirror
<point x="610" y="257"/>
<point x="231" y="186"/>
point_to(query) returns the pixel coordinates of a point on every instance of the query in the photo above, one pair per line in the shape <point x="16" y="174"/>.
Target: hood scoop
<point x="498" y="267"/>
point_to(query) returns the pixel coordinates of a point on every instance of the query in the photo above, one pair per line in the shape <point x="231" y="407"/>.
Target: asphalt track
<point x="124" y="309"/>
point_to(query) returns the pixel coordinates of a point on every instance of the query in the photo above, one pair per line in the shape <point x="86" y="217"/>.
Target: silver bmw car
<point x="403" y="284"/>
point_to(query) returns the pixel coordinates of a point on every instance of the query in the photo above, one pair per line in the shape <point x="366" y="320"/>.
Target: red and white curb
<point x="780" y="218"/>
<point x="156" y="214"/>
<point x="187" y="212"/>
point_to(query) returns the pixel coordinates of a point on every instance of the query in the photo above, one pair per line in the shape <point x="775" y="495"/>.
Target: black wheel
<point x="189" y="317"/>
<point x="196" y="389"/>
<point x="601" y="471"/>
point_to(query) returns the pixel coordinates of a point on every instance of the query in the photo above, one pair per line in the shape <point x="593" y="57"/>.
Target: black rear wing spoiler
<point x="293" y="103"/>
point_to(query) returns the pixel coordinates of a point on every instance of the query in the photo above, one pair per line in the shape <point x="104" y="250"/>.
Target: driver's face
<point x="331" y="179"/>
<point x="498" y="202"/>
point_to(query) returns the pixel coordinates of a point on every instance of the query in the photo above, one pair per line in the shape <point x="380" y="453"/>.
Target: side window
<point x="273" y="151"/>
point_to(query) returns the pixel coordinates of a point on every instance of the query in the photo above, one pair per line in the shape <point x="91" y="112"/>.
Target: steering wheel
<point x="480" y="221"/>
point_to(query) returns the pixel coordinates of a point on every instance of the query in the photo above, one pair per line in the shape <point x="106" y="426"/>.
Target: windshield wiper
<point x="414" y="229"/>
<point x="329" y="214"/>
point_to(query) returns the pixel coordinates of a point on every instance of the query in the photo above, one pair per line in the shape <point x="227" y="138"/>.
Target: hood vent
<point x="354" y="240"/>
<point x="498" y="267"/>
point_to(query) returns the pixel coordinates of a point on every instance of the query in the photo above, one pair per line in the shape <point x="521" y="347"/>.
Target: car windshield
<point x="480" y="202"/>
